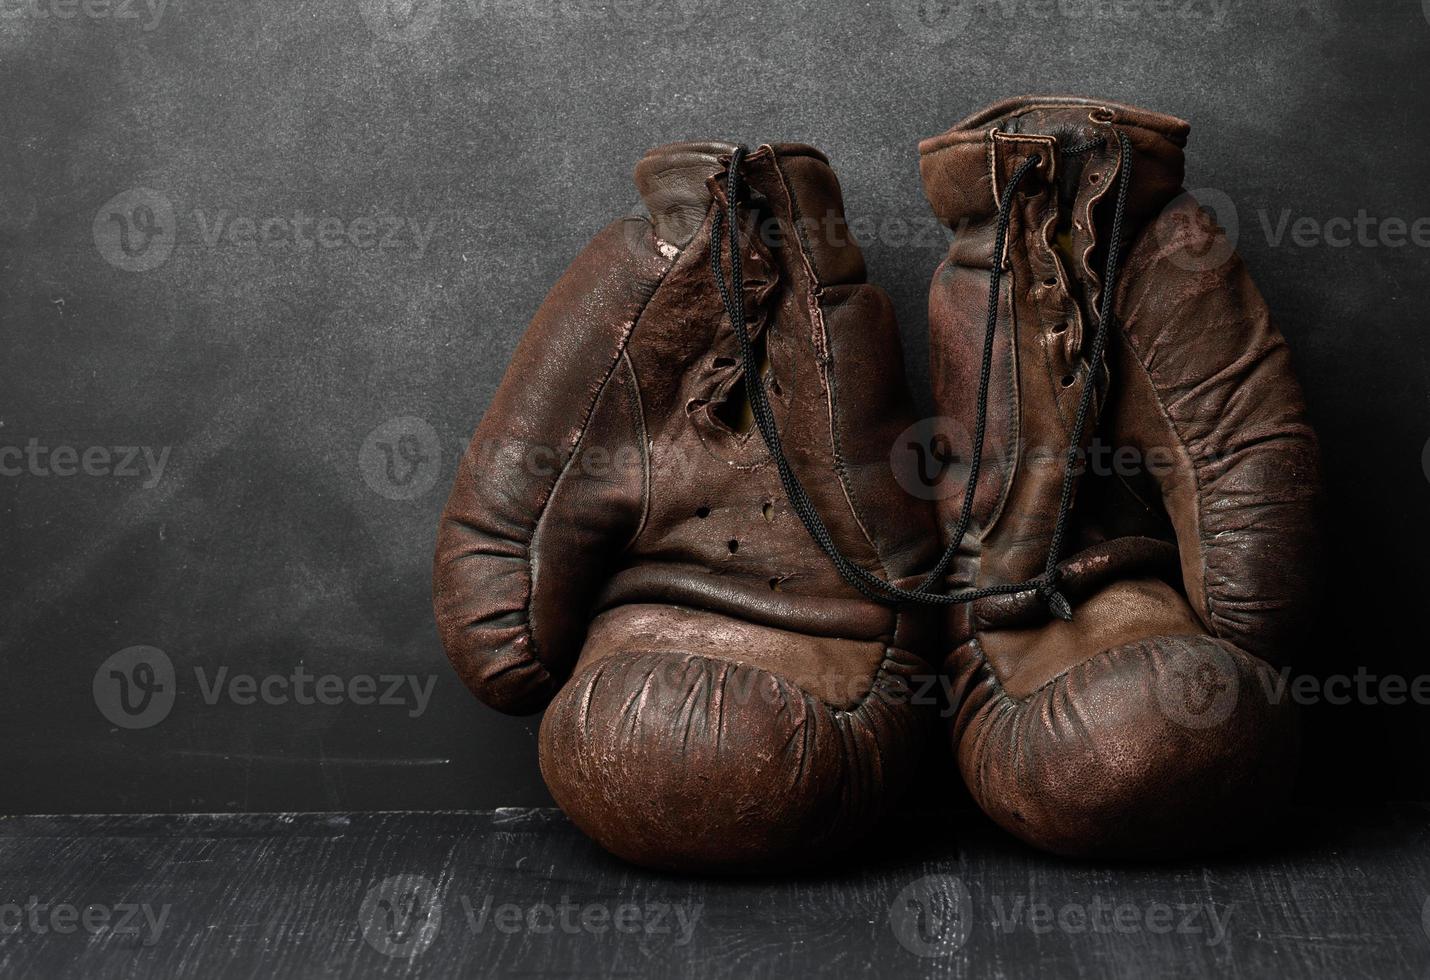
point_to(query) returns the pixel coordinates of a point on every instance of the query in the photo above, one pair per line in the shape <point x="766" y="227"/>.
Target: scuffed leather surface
<point x="720" y="697"/>
<point x="1097" y="737"/>
<point x="685" y="761"/>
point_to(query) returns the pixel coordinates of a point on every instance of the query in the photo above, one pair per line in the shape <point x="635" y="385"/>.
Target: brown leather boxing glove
<point x="621" y="544"/>
<point x="1134" y="596"/>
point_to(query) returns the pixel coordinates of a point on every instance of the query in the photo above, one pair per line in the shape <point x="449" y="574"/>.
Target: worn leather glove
<point x="1132" y="599"/>
<point x="621" y="542"/>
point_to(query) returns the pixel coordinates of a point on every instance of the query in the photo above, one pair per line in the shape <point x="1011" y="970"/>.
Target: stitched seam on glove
<point x="532" y="564"/>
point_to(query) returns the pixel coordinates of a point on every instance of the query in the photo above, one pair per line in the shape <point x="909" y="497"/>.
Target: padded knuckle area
<point x="678" y="760"/>
<point x="1167" y="745"/>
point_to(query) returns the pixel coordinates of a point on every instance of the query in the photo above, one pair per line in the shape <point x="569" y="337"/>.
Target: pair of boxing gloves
<point x="701" y="526"/>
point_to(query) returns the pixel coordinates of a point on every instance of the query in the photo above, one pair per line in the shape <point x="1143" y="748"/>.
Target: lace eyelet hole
<point x="1068" y="380"/>
<point x="1060" y="327"/>
<point x="702" y="512"/>
<point x="1050" y="282"/>
<point x="1094" y="178"/>
<point x="733" y="545"/>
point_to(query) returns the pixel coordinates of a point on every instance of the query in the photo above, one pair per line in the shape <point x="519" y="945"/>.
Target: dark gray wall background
<point x="270" y="540"/>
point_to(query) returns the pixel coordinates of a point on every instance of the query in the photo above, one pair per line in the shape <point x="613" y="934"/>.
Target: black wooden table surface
<point x="522" y="892"/>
